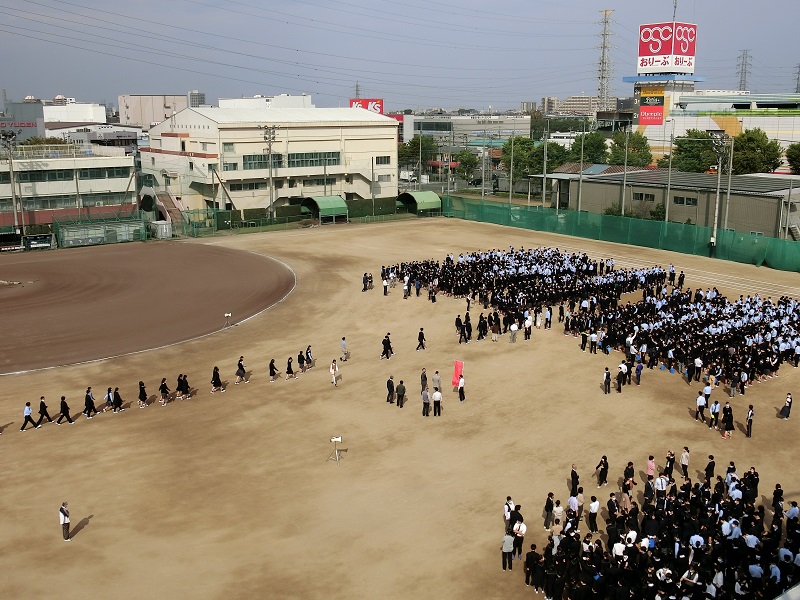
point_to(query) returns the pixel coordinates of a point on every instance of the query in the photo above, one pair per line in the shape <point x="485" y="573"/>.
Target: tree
<point x="754" y="152"/>
<point x="557" y="155"/>
<point x="658" y="212"/>
<point x="408" y="153"/>
<point x="639" y="154"/>
<point x="793" y="156"/>
<point x="524" y="148"/>
<point x="595" y="149"/>
<point x="692" y="153"/>
<point x="467" y="163"/>
<point x="44" y="141"/>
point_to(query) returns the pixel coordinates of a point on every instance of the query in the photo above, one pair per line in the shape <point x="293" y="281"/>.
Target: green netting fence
<point x="213" y="221"/>
<point x="778" y="254"/>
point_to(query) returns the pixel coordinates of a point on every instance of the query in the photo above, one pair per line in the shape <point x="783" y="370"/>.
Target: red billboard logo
<point x="655" y="39"/>
<point x="684" y="39"/>
<point x="371" y="104"/>
<point x="666" y="48"/>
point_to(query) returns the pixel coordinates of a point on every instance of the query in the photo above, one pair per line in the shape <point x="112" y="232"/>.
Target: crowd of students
<point x="684" y="539"/>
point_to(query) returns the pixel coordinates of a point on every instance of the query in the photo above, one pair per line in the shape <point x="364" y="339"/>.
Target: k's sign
<point x="371" y="104"/>
<point x="666" y="48"/>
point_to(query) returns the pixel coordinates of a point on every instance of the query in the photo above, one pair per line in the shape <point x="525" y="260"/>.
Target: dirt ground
<point x="230" y="495"/>
<point x="83" y="304"/>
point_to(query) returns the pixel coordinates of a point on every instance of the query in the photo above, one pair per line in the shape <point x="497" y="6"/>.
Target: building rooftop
<point x="742" y="184"/>
<point x="291" y="115"/>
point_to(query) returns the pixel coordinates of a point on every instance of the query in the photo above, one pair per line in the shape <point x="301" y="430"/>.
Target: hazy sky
<point x="414" y="54"/>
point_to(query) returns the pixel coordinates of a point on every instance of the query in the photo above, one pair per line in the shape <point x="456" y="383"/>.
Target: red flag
<point x="458" y="368"/>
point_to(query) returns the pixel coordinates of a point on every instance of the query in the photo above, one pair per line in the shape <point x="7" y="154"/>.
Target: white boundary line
<point x="170" y="345"/>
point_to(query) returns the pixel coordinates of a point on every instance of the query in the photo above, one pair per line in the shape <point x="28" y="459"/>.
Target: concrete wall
<point x="142" y="111"/>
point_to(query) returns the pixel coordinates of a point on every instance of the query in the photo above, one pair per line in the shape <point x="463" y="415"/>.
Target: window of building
<point x="292" y="183"/>
<point x="228" y="147"/>
<point x="5" y="178"/>
<point x="230" y="166"/>
<point x="247" y="186"/>
<point x="319" y="181"/>
<point x="313" y="159"/>
<point x="383" y="160"/>
<point x="67" y="201"/>
<point x="757" y="233"/>
<point x="204" y="146"/>
<point x="191" y="166"/>
<point x="384" y="178"/>
<point x="691" y="201"/>
<point x="433" y="126"/>
<point x="278" y="183"/>
<point x="261" y="161"/>
<point x="152" y="161"/>
<point x="212" y="167"/>
<point x="684" y="200"/>
<point x="644" y="197"/>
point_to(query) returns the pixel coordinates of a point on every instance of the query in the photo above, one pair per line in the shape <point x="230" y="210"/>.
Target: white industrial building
<point x="147" y="110"/>
<point x="218" y="157"/>
<point x="259" y="101"/>
<point x="56" y="181"/>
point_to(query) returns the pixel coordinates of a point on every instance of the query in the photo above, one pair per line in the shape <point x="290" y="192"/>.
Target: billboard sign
<point x="371" y="104"/>
<point x="649" y="103"/>
<point x="666" y="48"/>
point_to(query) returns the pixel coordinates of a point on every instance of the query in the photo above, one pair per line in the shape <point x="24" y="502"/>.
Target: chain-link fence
<point x="106" y="228"/>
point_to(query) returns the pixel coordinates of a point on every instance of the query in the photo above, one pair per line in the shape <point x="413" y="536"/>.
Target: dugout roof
<point x="424" y="200"/>
<point x="327" y="206"/>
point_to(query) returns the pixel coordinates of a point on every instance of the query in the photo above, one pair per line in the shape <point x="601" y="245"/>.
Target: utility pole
<point x="358" y="90"/>
<point x="604" y="69"/>
<point x="511" y="170"/>
<point x="544" y="166"/>
<point x="269" y="138"/>
<point x="743" y="69"/>
<point x="728" y="193"/>
<point x="580" y="173"/>
<point x="419" y="179"/>
<point x="372" y="186"/>
<point x="450" y="157"/>
<point x="8" y="142"/>
<point x="668" y="200"/>
<point x="625" y="173"/>
<point x="483" y="168"/>
<point x="674" y="9"/>
<point x="719" y="151"/>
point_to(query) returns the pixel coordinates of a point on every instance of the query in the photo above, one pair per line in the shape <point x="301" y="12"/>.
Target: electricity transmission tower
<point x="604" y="70"/>
<point x="797" y="79"/>
<point x="743" y="69"/>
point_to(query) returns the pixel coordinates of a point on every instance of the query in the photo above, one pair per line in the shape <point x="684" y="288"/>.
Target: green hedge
<point x="291" y="210"/>
<point x="255" y="214"/>
<point x="363" y="207"/>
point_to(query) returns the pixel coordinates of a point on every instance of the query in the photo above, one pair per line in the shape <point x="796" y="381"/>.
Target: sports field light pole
<point x="269" y="138"/>
<point x="8" y="140"/>
<point x="544" y="167"/>
<point x="483" y="168"/>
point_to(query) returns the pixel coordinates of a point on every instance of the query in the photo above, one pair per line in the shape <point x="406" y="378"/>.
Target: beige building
<point x="218" y="157"/>
<point x="145" y="111"/>
<point x="758" y="204"/>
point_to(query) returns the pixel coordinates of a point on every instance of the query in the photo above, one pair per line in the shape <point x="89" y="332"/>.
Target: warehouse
<point x="757" y="205"/>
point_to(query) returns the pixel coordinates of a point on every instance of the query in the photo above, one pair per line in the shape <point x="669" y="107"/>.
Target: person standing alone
<point x="461" y="396"/>
<point x="685" y="461"/>
<point x="63" y="517"/>
<point x="421" y="340"/>
<point x="749" y="421"/>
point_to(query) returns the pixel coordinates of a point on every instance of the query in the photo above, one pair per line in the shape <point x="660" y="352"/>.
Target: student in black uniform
<point x="88" y="402"/>
<point x="64" y="412"/>
<point x="164" y="390"/>
<point x="43" y="412"/>
<point x="117" y="405"/>
<point x="142" y="395"/>
<point x="421" y="339"/>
